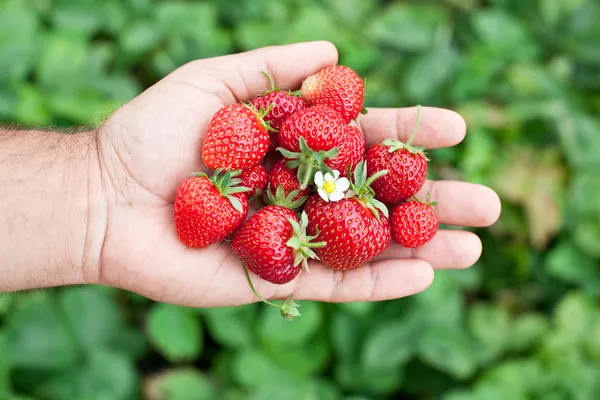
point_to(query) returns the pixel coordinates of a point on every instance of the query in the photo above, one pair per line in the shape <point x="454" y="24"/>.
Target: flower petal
<point x="319" y="179"/>
<point x="336" y="174"/>
<point x="342" y="185"/>
<point x="323" y="194"/>
<point x="336" y="196"/>
<point x="328" y="177"/>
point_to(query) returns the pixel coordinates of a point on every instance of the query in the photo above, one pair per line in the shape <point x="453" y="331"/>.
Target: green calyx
<point x="395" y="145"/>
<point x="280" y="199"/>
<point x="227" y="185"/>
<point x="288" y="308"/>
<point x="261" y="115"/>
<point x="424" y="200"/>
<point x="273" y="88"/>
<point x="307" y="161"/>
<point x="360" y="188"/>
<point x="301" y="243"/>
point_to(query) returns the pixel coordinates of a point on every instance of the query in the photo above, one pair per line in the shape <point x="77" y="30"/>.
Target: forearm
<point x="50" y="209"/>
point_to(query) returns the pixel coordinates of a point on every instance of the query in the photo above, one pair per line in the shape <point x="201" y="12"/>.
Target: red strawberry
<point x="255" y="178"/>
<point x="284" y="177"/>
<point x="354" y="146"/>
<point x="414" y="223"/>
<point x="355" y="229"/>
<point x="338" y="87"/>
<point x="406" y="166"/>
<point x="273" y="245"/>
<point x="207" y="210"/>
<point x="313" y="138"/>
<point x="236" y="137"/>
<point x="283" y="105"/>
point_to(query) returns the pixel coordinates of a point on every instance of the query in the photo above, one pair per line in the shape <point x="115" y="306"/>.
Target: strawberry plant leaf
<point x="184" y="383"/>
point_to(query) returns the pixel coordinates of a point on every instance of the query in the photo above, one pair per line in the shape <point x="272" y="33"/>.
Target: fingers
<point x="447" y="250"/>
<point x="463" y="203"/>
<point x="374" y="281"/>
<point x="438" y="127"/>
<point x="238" y="77"/>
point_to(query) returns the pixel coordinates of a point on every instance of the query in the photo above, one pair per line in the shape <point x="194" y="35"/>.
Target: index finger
<point x="438" y="127"/>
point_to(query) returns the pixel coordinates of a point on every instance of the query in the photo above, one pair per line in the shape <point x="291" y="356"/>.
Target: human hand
<point x="153" y="143"/>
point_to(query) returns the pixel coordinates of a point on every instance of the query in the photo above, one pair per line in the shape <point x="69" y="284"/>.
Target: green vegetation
<point x="524" y="323"/>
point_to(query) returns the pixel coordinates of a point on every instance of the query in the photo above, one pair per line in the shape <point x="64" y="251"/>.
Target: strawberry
<point x="283" y="105"/>
<point x="274" y="245"/>
<point x="406" y="166"/>
<point x="284" y="177"/>
<point x="338" y="87"/>
<point x="255" y="178"/>
<point x="354" y="146"/>
<point x="414" y="223"/>
<point x="236" y="137"/>
<point x="207" y="210"/>
<point x="311" y="139"/>
<point x="355" y="229"/>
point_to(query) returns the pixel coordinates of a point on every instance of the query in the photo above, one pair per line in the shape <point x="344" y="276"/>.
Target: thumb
<point x="238" y="77"/>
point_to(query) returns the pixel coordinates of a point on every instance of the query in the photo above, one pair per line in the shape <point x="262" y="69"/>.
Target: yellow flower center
<point x="329" y="187"/>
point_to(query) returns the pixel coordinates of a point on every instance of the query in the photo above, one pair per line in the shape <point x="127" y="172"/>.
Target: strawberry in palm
<point x="406" y="165"/>
<point x="414" y="223"/>
<point x="282" y="105"/>
<point x="337" y="87"/>
<point x="355" y="229"/>
<point x="237" y="137"/>
<point x="285" y="179"/>
<point x="207" y="210"/>
<point x="254" y="178"/>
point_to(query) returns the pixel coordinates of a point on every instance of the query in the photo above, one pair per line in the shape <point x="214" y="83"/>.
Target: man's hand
<point x="143" y="152"/>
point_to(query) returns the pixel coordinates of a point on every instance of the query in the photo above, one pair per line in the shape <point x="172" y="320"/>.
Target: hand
<point x="153" y="143"/>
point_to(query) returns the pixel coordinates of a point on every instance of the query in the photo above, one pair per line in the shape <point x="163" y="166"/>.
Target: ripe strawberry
<point x="338" y="87"/>
<point x="314" y="138"/>
<point x="273" y="245"/>
<point x="406" y="166"/>
<point x="255" y="178"/>
<point x="207" y="210"/>
<point x="414" y="223"/>
<point x="284" y="177"/>
<point x="283" y="105"/>
<point x="354" y="146"/>
<point x="236" y="137"/>
<point x="355" y="229"/>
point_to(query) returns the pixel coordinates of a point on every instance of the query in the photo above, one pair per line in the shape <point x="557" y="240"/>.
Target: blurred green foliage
<point x="524" y="323"/>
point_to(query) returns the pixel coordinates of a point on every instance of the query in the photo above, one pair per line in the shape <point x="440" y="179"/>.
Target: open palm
<point x="154" y="142"/>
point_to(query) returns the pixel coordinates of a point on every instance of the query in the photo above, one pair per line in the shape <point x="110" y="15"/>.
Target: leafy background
<point x="524" y="323"/>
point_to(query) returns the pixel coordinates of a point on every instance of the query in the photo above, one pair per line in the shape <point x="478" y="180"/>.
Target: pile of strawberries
<point x="301" y="157"/>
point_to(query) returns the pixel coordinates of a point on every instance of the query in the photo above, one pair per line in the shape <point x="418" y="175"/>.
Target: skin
<point x="96" y="207"/>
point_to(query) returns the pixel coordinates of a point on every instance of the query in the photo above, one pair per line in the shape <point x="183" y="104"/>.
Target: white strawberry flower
<point x="331" y="187"/>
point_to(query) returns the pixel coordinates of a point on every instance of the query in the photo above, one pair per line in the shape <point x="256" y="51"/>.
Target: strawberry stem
<point x="414" y="132"/>
<point x="271" y="82"/>
<point x="288" y="308"/>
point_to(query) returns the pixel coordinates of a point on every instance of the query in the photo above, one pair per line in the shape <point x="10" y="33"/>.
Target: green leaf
<point x="523" y="376"/>
<point x="19" y="42"/>
<point x="304" y="360"/>
<point x="39" y="337"/>
<point x="390" y="344"/>
<point x="175" y="332"/>
<point x="428" y="73"/>
<point x="58" y="47"/>
<point x="450" y="350"/>
<point x="93" y="315"/>
<point x="527" y="331"/>
<point x="233" y="329"/>
<point x="103" y="375"/>
<point x="130" y="342"/>
<point x="575" y="315"/>
<point x="277" y="332"/>
<point x="5" y="303"/>
<point x="570" y="264"/>
<point x="140" y="37"/>
<point x="358" y="308"/>
<point x="491" y="325"/>
<point x="252" y="369"/>
<point x="179" y="384"/>
<point x="345" y="336"/>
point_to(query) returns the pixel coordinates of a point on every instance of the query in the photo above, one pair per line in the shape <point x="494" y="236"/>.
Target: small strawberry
<point x="311" y="139"/>
<point x="207" y="210"/>
<point x="355" y="229"/>
<point x="274" y="245"/>
<point x="236" y="137"/>
<point x="283" y="105"/>
<point x="338" y="87"/>
<point x="255" y="178"/>
<point x="354" y="146"/>
<point x="406" y="166"/>
<point x="414" y="223"/>
<point x="282" y="176"/>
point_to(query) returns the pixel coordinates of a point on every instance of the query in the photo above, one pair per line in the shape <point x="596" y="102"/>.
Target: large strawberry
<point x="236" y="137"/>
<point x="274" y="245"/>
<point x="406" y="165"/>
<point x="414" y="223"/>
<point x="281" y="177"/>
<point x="355" y="229"/>
<point x="254" y="178"/>
<point x="282" y="105"/>
<point x="312" y="139"/>
<point x="338" y="87"/>
<point x="354" y="146"/>
<point x="207" y="210"/>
